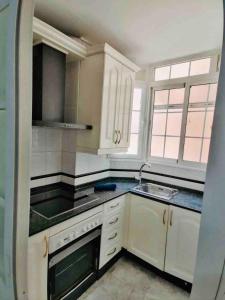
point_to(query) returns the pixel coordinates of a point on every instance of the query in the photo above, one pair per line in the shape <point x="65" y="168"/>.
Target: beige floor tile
<point x="127" y="280"/>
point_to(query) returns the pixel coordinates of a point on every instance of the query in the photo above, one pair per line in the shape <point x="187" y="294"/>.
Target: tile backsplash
<point x="46" y="151"/>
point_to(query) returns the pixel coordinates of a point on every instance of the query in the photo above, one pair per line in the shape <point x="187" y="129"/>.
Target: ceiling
<point x="146" y="31"/>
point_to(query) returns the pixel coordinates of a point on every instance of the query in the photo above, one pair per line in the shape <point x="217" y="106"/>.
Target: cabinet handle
<point x="119" y="139"/>
<point x="115" y="137"/>
<point x="171" y="218"/>
<point x="113" y="222"/>
<point x="46" y="246"/>
<point x="111" y="253"/>
<point x="113" y="206"/>
<point x="113" y="237"/>
<point x="164" y="215"/>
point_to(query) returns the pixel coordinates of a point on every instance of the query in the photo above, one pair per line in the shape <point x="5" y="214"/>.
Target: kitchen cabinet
<point x="182" y="242"/>
<point x="148" y="230"/>
<point x="112" y="229"/>
<point x="103" y="100"/>
<point x="164" y="236"/>
<point x="38" y="266"/>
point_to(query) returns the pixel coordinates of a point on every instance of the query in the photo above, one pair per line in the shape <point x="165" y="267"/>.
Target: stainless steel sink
<point x="156" y="191"/>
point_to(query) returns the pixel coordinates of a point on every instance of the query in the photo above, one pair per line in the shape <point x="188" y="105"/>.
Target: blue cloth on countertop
<point x="105" y="187"/>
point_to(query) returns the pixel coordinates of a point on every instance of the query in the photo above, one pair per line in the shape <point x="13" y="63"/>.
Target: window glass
<point x="192" y="149"/>
<point x="172" y="147"/>
<point x="201" y="66"/>
<point x="135" y="122"/>
<point x="180" y="70"/>
<point x="157" y="146"/>
<point x="162" y="73"/>
<point x="199" y="93"/>
<point x="174" y="122"/>
<point x="161" y="97"/>
<point x="176" y="96"/>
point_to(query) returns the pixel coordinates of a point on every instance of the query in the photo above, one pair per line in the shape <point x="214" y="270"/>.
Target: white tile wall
<point x="68" y="162"/>
<point x="46" y="151"/>
<point x="87" y="163"/>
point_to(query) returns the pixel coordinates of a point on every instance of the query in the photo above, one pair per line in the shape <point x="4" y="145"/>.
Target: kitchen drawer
<point x="114" y="205"/>
<point x="109" y="253"/>
<point x="112" y="221"/>
<point x="111" y="237"/>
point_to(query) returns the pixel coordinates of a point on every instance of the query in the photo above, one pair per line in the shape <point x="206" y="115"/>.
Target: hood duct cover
<point x="49" y="72"/>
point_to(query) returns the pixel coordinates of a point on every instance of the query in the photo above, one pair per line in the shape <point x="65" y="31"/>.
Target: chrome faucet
<point x="140" y="171"/>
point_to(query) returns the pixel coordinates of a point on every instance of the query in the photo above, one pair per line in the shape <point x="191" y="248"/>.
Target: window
<point x="135" y="122"/>
<point x="166" y="124"/>
<point x="184" y="69"/>
<point x="182" y="112"/>
<point x="199" y="122"/>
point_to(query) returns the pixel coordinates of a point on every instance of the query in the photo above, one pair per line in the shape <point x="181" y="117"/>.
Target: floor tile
<point x="127" y="280"/>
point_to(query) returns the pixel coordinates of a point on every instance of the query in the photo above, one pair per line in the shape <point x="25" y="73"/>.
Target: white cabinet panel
<point x="106" y="83"/>
<point x="182" y="242"/>
<point x="38" y="266"/>
<point x="110" y="103"/>
<point x="147" y="230"/>
<point x="125" y="107"/>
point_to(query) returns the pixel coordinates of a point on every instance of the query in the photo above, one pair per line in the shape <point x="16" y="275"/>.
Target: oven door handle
<point x="77" y="245"/>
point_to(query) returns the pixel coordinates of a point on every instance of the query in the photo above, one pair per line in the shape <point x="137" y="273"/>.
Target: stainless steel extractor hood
<point x="49" y="71"/>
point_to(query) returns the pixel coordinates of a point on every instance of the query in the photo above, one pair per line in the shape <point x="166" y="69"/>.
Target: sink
<point x="156" y="191"/>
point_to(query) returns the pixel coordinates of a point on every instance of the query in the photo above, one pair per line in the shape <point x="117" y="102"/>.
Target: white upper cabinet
<point x="182" y="243"/>
<point x="106" y="83"/>
<point x="147" y="230"/>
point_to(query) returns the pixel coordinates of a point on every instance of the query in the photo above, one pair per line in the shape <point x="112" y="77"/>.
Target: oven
<point x="73" y="267"/>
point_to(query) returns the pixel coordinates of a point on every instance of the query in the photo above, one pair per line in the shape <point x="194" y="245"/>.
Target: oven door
<point x="74" y="268"/>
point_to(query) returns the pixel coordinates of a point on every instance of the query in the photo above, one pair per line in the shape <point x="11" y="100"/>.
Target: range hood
<point x="49" y="72"/>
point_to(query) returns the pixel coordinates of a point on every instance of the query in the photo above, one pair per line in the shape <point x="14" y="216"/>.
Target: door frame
<point x="23" y="131"/>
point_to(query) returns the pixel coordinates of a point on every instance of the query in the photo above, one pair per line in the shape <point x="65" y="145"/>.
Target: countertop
<point x="185" y="198"/>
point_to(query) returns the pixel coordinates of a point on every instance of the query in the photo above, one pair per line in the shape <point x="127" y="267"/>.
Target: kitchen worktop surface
<point x="185" y="198"/>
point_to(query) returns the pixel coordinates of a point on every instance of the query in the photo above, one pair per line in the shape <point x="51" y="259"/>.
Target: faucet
<point x="140" y="171"/>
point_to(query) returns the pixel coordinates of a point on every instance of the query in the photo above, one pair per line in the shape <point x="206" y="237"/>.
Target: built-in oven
<point x="73" y="267"/>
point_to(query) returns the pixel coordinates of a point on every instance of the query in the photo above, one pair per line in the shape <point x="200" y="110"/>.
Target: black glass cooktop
<point x="51" y="205"/>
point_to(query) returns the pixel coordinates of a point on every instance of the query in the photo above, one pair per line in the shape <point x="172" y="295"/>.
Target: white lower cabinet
<point x="147" y="230"/>
<point x="112" y="229"/>
<point x="164" y="236"/>
<point x="38" y="266"/>
<point x="182" y="243"/>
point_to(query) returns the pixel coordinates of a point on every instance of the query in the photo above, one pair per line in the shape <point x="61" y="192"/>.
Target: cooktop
<point x="51" y="205"/>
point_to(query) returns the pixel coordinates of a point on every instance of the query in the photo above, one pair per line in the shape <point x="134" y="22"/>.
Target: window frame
<point x="149" y="83"/>
<point x="173" y="83"/>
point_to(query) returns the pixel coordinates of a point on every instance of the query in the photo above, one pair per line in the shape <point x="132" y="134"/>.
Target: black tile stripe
<point x="116" y="170"/>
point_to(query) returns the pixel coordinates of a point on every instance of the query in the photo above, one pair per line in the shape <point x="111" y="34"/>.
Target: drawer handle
<point x="115" y="137"/>
<point x="46" y="246"/>
<point x="171" y="218"/>
<point x="113" y="206"/>
<point x="164" y="215"/>
<point x="119" y="137"/>
<point x="115" y="221"/>
<point x="111" y="253"/>
<point x="113" y="237"/>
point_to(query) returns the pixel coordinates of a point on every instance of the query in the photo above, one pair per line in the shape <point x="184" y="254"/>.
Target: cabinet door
<point x="147" y="230"/>
<point x="125" y="107"/>
<point x="38" y="266"/>
<point x="182" y="242"/>
<point x="110" y="102"/>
